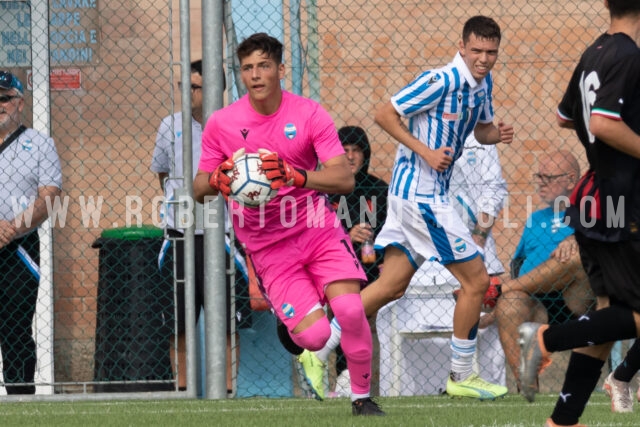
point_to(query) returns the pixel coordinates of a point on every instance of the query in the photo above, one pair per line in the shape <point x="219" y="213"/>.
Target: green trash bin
<point x="135" y="311"/>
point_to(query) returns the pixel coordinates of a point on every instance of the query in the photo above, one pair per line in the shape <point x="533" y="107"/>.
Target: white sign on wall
<point x="72" y="32"/>
<point x="15" y="34"/>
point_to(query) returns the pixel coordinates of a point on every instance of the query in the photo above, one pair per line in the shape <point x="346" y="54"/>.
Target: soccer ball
<point x="249" y="183"/>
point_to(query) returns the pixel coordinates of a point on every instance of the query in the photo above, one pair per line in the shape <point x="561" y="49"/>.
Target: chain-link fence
<point x="104" y="316"/>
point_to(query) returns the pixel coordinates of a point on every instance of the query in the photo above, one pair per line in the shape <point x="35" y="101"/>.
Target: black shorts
<point x="242" y="309"/>
<point x="613" y="269"/>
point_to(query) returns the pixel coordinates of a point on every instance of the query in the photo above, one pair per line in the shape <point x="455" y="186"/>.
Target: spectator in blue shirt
<point x="548" y="282"/>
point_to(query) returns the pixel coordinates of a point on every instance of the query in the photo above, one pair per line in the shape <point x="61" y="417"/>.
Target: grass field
<point x="511" y="411"/>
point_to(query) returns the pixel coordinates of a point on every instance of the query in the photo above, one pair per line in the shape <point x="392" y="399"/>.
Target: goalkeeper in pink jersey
<point x="296" y="242"/>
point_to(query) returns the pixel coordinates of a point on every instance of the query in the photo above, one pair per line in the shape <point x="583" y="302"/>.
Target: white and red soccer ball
<point x="249" y="183"/>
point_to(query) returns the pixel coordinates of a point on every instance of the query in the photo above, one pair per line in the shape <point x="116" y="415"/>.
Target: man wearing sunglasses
<point x="548" y="281"/>
<point x="30" y="178"/>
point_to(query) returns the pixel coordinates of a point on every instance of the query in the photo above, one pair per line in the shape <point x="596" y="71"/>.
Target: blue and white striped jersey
<point x="443" y="106"/>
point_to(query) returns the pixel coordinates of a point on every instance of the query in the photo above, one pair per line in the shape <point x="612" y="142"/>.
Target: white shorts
<point x="426" y="232"/>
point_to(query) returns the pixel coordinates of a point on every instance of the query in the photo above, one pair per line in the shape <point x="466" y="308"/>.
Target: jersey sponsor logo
<point x="288" y="310"/>
<point x="244" y="133"/>
<point x="27" y="145"/>
<point x="290" y="130"/>
<point x="450" y="116"/>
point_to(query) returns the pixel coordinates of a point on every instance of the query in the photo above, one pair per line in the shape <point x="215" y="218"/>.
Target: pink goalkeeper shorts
<point x="295" y="271"/>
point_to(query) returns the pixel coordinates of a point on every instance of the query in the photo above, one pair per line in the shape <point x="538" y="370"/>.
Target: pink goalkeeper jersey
<point x="303" y="134"/>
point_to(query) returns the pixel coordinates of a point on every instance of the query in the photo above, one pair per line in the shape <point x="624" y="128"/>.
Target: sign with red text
<point x="65" y="79"/>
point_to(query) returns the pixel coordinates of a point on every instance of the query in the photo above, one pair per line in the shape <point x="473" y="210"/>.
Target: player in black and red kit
<point x="602" y="103"/>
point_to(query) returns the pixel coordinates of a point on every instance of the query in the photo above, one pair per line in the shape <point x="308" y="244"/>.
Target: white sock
<point x="462" y="352"/>
<point x="355" y="397"/>
<point x="332" y="342"/>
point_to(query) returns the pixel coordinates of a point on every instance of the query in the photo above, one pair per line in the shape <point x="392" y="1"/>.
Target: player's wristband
<point x="480" y="233"/>
<point x="300" y="180"/>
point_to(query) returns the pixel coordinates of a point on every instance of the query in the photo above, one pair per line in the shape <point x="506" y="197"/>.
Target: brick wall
<point x="105" y="131"/>
<point x="105" y="134"/>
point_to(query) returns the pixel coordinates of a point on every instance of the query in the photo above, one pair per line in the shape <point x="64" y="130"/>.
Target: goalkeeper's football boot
<point x="313" y="372"/>
<point x="534" y="358"/>
<point x="366" y="407"/>
<point x="475" y="387"/>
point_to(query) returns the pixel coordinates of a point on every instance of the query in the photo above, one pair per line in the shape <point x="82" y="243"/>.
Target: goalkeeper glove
<point x="219" y="180"/>
<point x="280" y="172"/>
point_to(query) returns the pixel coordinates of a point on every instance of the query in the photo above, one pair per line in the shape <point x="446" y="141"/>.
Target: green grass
<point x="512" y="411"/>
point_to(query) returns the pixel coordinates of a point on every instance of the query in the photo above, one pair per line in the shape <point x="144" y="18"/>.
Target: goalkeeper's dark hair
<point x="482" y="27"/>
<point x="261" y="42"/>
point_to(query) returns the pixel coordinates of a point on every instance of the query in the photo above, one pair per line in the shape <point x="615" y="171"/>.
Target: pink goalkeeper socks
<point x="356" y="340"/>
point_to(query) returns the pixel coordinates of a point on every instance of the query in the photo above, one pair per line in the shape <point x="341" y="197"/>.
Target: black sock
<point x="630" y="365"/>
<point x="580" y="380"/>
<point x="285" y="339"/>
<point x="609" y="324"/>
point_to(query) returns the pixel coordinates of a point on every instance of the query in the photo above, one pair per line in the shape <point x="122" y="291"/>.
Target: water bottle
<point x="367" y="253"/>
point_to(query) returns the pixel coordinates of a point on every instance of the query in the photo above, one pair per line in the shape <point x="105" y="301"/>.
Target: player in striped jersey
<point x="442" y="107"/>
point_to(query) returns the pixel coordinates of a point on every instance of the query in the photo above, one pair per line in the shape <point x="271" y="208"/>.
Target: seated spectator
<point x="548" y="282"/>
